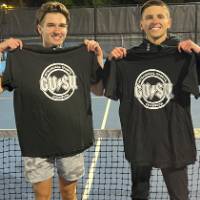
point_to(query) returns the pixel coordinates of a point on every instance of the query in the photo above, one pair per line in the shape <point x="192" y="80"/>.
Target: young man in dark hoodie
<point x="153" y="83"/>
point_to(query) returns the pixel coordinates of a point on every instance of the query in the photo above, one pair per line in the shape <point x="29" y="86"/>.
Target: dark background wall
<point x="111" y="26"/>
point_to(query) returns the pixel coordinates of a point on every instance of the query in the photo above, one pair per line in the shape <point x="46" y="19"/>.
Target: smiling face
<point x="155" y="23"/>
<point x="53" y="29"/>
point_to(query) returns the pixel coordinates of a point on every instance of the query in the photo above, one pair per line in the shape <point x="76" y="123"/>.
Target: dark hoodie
<point x="150" y="47"/>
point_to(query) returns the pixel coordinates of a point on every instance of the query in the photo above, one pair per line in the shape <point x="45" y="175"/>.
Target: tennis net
<point x="107" y="174"/>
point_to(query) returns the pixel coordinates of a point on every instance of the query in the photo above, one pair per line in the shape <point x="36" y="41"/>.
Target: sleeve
<point x="190" y="81"/>
<point x="110" y="80"/>
<point x="7" y="76"/>
<point x="198" y="66"/>
<point x="96" y="70"/>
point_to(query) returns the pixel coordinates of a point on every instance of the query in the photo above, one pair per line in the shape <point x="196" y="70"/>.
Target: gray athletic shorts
<point x="40" y="169"/>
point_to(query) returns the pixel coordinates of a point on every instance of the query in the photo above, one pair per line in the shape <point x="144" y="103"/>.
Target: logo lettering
<point x="153" y="89"/>
<point x="58" y="82"/>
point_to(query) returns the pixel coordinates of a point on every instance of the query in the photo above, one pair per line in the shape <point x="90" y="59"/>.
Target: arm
<point x="94" y="46"/>
<point x="116" y="53"/>
<point x="10" y="44"/>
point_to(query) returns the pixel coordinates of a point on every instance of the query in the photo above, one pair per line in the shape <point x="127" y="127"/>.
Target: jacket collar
<point x="169" y="42"/>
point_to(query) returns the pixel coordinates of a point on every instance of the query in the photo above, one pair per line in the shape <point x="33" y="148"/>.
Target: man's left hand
<point x="188" y="46"/>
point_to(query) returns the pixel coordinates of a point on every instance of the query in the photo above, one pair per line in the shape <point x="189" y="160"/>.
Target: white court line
<point x="86" y="192"/>
<point x="98" y="97"/>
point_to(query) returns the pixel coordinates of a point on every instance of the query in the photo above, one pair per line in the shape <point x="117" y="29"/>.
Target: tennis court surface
<point x="107" y="175"/>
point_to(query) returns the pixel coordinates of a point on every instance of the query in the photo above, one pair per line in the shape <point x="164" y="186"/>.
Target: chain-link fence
<point x="111" y="26"/>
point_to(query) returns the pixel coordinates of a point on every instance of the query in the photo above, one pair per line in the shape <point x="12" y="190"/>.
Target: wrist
<point x="2" y="47"/>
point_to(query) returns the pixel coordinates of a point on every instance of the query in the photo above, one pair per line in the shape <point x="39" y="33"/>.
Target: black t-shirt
<point x="154" y="87"/>
<point x="52" y="98"/>
<point x="198" y="65"/>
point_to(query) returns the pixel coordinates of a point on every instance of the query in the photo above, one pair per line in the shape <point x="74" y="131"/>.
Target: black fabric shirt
<point x="171" y="41"/>
<point x="153" y="84"/>
<point x="198" y="66"/>
<point x="52" y="98"/>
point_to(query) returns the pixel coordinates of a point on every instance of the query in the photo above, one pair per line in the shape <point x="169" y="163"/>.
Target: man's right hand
<point x="10" y="44"/>
<point x="117" y="53"/>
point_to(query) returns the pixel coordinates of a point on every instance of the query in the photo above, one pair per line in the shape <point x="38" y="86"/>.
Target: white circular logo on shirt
<point x="153" y="89"/>
<point x="58" y="82"/>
